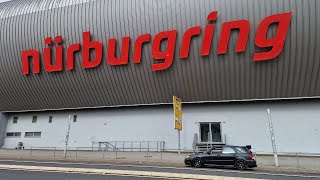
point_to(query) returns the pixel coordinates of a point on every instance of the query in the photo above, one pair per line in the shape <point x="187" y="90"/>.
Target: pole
<point x="179" y="144"/>
<point x="273" y="140"/>
<point x="177" y="116"/>
<point x="297" y="159"/>
<point x="67" y="138"/>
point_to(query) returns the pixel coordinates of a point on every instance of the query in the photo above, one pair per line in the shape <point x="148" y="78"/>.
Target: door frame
<point x="210" y="131"/>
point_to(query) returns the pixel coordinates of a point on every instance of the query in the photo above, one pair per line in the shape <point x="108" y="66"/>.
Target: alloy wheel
<point x="197" y="162"/>
<point x="240" y="165"/>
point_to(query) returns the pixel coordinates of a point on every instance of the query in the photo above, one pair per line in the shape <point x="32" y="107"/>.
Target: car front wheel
<point x="197" y="162"/>
<point x="240" y="165"/>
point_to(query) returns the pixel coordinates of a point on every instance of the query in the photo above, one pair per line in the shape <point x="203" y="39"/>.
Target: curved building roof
<point x="24" y="24"/>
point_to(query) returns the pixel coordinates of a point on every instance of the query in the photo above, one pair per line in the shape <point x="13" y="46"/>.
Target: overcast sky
<point x="4" y="1"/>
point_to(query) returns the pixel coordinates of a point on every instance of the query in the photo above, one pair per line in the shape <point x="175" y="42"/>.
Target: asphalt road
<point x="9" y="174"/>
<point x="32" y="175"/>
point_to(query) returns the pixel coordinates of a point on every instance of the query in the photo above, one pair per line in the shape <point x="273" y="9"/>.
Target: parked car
<point x="240" y="157"/>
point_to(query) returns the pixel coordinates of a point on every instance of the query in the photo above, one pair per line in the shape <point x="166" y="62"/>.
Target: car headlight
<point x="187" y="157"/>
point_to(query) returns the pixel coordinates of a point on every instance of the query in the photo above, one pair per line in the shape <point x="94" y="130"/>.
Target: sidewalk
<point x="288" y="164"/>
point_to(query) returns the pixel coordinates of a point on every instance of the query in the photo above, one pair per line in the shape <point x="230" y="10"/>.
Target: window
<point x="242" y="150"/>
<point x="216" y="150"/>
<point x="37" y="134"/>
<point x="33" y="134"/>
<point x="13" y="134"/>
<point x="50" y="119"/>
<point x="228" y="150"/>
<point x="204" y="132"/>
<point x="34" y="119"/>
<point x="210" y="132"/>
<point x="15" y="120"/>
<point x="74" y="118"/>
<point x="28" y="134"/>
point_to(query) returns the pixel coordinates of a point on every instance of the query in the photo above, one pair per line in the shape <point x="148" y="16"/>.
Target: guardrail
<point x="303" y="160"/>
<point x="289" y="159"/>
<point x="130" y="145"/>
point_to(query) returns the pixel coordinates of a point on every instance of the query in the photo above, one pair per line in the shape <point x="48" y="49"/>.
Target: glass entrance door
<point x="210" y="132"/>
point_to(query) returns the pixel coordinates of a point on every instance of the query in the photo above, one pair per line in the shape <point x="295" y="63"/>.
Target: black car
<point x="240" y="157"/>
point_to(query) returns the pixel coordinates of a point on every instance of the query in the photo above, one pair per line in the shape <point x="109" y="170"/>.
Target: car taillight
<point x="251" y="156"/>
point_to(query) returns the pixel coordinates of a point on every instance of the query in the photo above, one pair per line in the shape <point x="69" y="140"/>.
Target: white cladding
<point x="296" y="125"/>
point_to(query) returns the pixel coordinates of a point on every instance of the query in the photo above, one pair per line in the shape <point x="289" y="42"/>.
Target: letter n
<point x="35" y="56"/>
<point x="244" y="28"/>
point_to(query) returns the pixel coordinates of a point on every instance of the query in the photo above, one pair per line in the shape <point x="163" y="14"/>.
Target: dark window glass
<point x="216" y="150"/>
<point x="74" y="118"/>
<point x="10" y="134"/>
<point x="34" y="119"/>
<point x="210" y="132"/>
<point x="216" y="132"/>
<point x="28" y="134"/>
<point x="33" y="134"/>
<point x="15" y="120"/>
<point x="37" y="134"/>
<point x="13" y="134"/>
<point x="50" y="119"/>
<point x="205" y="131"/>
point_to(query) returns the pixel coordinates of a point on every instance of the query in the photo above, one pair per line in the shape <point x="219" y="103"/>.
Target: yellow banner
<point x="177" y="107"/>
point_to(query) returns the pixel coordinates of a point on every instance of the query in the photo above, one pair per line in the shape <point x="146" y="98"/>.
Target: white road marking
<point x="123" y="172"/>
<point x="53" y="171"/>
<point x="167" y="167"/>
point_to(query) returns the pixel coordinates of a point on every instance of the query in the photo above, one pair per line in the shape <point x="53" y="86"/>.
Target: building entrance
<point x="210" y="132"/>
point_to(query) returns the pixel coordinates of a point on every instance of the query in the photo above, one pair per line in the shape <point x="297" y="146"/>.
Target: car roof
<point x="220" y="147"/>
<point x="232" y="146"/>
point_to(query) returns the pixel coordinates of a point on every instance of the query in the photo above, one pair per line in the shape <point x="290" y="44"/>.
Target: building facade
<point x="113" y="66"/>
<point x="296" y="126"/>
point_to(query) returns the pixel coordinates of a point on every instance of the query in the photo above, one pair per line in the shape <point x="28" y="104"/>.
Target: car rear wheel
<point x="197" y="162"/>
<point x="240" y="165"/>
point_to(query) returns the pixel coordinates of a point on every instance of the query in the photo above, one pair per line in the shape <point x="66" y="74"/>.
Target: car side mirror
<point x="209" y="152"/>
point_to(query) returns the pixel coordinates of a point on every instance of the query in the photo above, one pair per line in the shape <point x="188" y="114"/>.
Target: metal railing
<point x="289" y="159"/>
<point x="301" y="161"/>
<point x="130" y="145"/>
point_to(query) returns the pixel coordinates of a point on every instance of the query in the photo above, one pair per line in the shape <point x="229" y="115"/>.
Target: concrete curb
<point x="120" y="172"/>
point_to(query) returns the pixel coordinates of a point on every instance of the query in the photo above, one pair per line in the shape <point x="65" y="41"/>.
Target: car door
<point x="226" y="157"/>
<point x="213" y="157"/>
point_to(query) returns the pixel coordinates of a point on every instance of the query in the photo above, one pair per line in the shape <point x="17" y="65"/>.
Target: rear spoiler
<point x="248" y="147"/>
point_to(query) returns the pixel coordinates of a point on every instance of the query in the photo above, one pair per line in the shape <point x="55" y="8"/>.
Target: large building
<point x="113" y="67"/>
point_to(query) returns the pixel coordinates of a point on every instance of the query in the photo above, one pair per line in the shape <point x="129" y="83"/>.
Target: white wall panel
<point x="296" y="125"/>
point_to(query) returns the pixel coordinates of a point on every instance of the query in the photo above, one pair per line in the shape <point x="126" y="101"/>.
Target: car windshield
<point x="242" y="150"/>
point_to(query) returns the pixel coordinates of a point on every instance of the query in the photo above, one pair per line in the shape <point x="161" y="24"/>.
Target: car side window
<point x="228" y="150"/>
<point x="242" y="150"/>
<point x="215" y="151"/>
